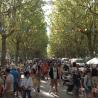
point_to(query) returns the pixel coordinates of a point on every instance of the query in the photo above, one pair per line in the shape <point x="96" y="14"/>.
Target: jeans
<point x="15" y="86"/>
<point x="27" y="93"/>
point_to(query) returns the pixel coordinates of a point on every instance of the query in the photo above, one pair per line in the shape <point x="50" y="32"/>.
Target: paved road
<point x="45" y="92"/>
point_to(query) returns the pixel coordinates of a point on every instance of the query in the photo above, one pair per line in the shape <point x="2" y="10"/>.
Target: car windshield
<point x="80" y="61"/>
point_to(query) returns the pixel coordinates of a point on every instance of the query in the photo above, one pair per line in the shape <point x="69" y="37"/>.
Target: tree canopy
<point x="24" y="26"/>
<point x="74" y="28"/>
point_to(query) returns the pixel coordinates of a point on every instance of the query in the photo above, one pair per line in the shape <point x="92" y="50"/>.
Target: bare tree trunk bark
<point x="90" y="44"/>
<point x="3" y="55"/>
<point x="17" y="52"/>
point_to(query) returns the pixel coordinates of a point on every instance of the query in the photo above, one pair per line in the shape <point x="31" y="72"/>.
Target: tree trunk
<point x="91" y="49"/>
<point x="3" y="54"/>
<point x="17" y="52"/>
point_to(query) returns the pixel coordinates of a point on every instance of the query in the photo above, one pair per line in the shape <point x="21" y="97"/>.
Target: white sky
<point x="48" y="10"/>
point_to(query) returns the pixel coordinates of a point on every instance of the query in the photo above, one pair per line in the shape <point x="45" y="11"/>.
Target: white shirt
<point x="34" y="66"/>
<point x="27" y="83"/>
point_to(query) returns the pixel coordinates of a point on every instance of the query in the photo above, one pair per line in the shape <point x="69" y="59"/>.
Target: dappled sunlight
<point x="44" y="82"/>
<point x="64" y="90"/>
<point x="47" y="94"/>
<point x="42" y="86"/>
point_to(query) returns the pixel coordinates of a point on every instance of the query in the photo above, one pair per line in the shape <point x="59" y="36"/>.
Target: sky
<point x="48" y="10"/>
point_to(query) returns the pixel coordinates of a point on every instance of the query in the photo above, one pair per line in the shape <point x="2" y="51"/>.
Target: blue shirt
<point x="15" y="74"/>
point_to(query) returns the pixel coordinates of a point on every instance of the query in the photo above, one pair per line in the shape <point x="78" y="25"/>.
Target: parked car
<point x="79" y="61"/>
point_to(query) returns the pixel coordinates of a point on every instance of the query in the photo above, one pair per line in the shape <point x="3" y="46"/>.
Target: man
<point x="16" y="75"/>
<point x="94" y="79"/>
<point x="94" y="75"/>
<point x="27" y="85"/>
<point x="9" y="84"/>
<point x="76" y="81"/>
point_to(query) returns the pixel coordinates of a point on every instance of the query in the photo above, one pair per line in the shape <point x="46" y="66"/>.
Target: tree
<point x="31" y="36"/>
<point x="24" y="19"/>
<point x="74" y="24"/>
<point x="7" y="24"/>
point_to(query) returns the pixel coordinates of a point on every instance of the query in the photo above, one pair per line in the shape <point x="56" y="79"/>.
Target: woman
<point x="34" y="79"/>
<point x="54" y="76"/>
<point x="88" y="85"/>
<point x="45" y="70"/>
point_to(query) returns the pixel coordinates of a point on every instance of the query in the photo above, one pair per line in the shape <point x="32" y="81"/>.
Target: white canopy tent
<point x="93" y="61"/>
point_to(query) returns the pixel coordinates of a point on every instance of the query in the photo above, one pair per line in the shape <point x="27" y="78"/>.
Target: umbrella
<point x="93" y="61"/>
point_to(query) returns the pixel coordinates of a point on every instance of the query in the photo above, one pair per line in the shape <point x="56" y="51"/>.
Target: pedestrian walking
<point x="9" y="87"/>
<point x="54" y="76"/>
<point x="27" y="85"/>
<point x="88" y="85"/>
<point x="38" y="77"/>
<point x="1" y="86"/>
<point x="76" y="82"/>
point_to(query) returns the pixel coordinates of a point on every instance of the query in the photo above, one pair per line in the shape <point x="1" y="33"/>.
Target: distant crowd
<point x="24" y="80"/>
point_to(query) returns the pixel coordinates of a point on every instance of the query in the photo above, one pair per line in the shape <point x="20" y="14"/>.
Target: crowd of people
<point x="22" y="80"/>
<point x="26" y="80"/>
<point x="83" y="82"/>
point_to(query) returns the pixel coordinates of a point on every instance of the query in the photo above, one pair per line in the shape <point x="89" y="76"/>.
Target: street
<point x="45" y="92"/>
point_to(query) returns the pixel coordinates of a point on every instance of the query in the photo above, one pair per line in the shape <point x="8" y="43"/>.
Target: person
<point x="27" y="85"/>
<point x="8" y="90"/>
<point x="88" y="84"/>
<point x="94" y="79"/>
<point x="1" y="86"/>
<point x="60" y="74"/>
<point x="34" y="79"/>
<point x="15" y="74"/>
<point x="19" y="79"/>
<point x="45" y="68"/>
<point x="76" y="81"/>
<point x="34" y="65"/>
<point x="66" y="67"/>
<point x="54" y="76"/>
<point x="94" y="75"/>
<point x="38" y="77"/>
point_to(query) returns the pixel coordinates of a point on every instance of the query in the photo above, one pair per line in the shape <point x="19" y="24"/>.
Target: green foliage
<point x="26" y="17"/>
<point x="74" y="28"/>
